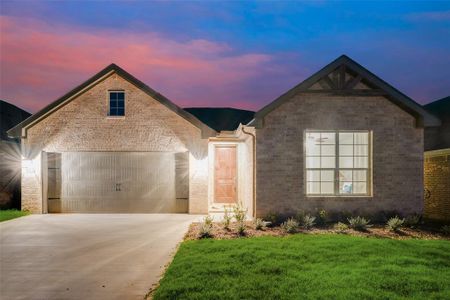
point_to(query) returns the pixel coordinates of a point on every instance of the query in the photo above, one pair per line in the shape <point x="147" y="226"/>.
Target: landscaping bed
<point x="218" y="232"/>
<point x="307" y="266"/>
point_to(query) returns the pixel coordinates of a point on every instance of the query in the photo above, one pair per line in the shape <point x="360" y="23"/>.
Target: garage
<point x="117" y="182"/>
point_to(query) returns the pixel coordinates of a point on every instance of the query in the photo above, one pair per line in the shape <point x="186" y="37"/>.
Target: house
<point x="10" y="159"/>
<point x="343" y="139"/>
<point x="437" y="163"/>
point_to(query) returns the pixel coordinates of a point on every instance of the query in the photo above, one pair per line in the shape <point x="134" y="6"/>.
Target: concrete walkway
<point x="86" y="256"/>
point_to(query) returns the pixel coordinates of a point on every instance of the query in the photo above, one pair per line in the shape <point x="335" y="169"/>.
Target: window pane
<point x="112" y="96"/>
<point x="361" y="149"/>
<point x="121" y="96"/>
<point x="313" y="188"/>
<point x="328" y="138"/>
<point x="113" y="111"/>
<point x="328" y="150"/>
<point x="361" y="162"/>
<point x="345" y="175"/>
<point x="112" y="103"/>
<point x="345" y="187"/>
<point x="327" y="175"/>
<point x="327" y="187"/>
<point x="328" y="162"/>
<point x="360" y="188"/>
<point x="346" y="150"/>
<point x="120" y="112"/>
<point x="313" y="175"/>
<point x="313" y="162"/>
<point x="346" y="162"/>
<point x="346" y="138"/>
<point x="362" y="138"/>
<point x="120" y="103"/>
<point x="312" y="148"/>
<point x="359" y="175"/>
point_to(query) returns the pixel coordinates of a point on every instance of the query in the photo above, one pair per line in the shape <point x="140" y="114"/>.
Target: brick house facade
<point x="270" y="173"/>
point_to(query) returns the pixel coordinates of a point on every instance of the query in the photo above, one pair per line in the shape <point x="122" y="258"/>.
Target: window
<point x="116" y="104"/>
<point x="337" y="162"/>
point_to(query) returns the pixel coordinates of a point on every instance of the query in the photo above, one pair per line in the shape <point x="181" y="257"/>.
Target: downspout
<point x="254" y="168"/>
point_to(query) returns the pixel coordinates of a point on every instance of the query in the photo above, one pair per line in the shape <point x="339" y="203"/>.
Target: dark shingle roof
<point x="10" y="116"/>
<point x="221" y="118"/>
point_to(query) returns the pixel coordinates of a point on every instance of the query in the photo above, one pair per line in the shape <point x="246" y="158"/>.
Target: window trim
<point x="336" y="194"/>
<point x="108" y="99"/>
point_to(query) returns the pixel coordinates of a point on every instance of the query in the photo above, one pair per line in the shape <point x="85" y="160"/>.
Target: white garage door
<point x="118" y="182"/>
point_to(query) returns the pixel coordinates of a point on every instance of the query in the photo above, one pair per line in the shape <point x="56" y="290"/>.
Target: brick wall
<point x="83" y="125"/>
<point x="437" y="185"/>
<point x="397" y="154"/>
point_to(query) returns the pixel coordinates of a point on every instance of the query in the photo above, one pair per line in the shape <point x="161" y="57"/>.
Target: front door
<point x="225" y="174"/>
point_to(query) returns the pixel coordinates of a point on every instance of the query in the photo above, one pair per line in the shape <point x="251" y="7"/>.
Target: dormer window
<point x="116" y="103"/>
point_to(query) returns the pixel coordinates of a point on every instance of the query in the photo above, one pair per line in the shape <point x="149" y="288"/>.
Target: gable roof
<point x="220" y="119"/>
<point x="423" y="118"/>
<point x="20" y="129"/>
<point x="10" y="115"/>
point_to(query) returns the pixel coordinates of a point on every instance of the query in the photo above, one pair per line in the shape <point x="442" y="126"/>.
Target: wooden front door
<point x="225" y="174"/>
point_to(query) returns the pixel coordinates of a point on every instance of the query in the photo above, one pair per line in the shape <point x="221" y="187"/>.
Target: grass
<point x="309" y="267"/>
<point x="11" y="214"/>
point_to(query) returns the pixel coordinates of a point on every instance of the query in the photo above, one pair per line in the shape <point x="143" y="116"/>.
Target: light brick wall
<point x="83" y="125"/>
<point x="397" y="154"/>
<point x="437" y="185"/>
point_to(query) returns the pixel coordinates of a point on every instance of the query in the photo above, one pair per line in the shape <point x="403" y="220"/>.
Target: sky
<point x="219" y="54"/>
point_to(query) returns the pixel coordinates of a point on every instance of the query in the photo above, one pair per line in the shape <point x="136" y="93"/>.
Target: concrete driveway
<point x="87" y="256"/>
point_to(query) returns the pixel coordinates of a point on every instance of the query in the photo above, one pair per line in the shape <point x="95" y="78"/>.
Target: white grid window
<point x="337" y="162"/>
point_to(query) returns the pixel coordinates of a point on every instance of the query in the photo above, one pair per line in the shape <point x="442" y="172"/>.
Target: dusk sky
<point x="221" y="54"/>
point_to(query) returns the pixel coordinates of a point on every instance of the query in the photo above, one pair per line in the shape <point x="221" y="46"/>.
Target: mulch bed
<point x="379" y="231"/>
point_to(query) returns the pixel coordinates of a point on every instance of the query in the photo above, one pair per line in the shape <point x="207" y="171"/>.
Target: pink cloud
<point x="40" y="62"/>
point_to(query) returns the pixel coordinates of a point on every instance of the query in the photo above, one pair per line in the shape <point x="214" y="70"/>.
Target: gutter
<point x="254" y="168"/>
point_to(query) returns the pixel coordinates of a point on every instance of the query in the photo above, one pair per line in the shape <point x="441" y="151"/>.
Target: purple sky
<point x="223" y="54"/>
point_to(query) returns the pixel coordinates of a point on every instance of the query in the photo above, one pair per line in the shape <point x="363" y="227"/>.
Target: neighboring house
<point x="10" y="159"/>
<point x="437" y="163"/>
<point x="341" y="140"/>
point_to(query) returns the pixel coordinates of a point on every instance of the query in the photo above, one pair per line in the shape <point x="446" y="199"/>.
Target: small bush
<point x="290" y="225"/>
<point x="308" y="222"/>
<point x="341" y="227"/>
<point x="259" y="224"/>
<point x="358" y="223"/>
<point x="395" y="223"/>
<point x="226" y="219"/>
<point x="208" y="220"/>
<point x="205" y="230"/>
<point x="239" y="213"/>
<point x="446" y="229"/>
<point x="272" y="218"/>
<point x="413" y="221"/>
<point x="241" y="228"/>
<point x="300" y="216"/>
<point x="322" y="217"/>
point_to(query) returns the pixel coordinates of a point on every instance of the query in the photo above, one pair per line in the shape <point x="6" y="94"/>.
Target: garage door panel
<point x="121" y="182"/>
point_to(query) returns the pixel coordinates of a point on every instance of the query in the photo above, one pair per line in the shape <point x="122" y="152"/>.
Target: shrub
<point x="259" y="224"/>
<point x="241" y="228"/>
<point x="358" y="223"/>
<point x="272" y="218"/>
<point x="208" y="220"/>
<point x="413" y="221"/>
<point x="446" y="229"/>
<point x="322" y="217"/>
<point x="290" y="225"/>
<point x="308" y="221"/>
<point x="341" y="227"/>
<point x="395" y="223"/>
<point x="300" y="216"/>
<point x="239" y="213"/>
<point x="226" y="219"/>
<point x="205" y="228"/>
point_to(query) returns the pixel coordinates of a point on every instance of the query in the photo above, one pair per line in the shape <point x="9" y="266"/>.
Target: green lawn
<point x="11" y="214"/>
<point x="309" y="267"/>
